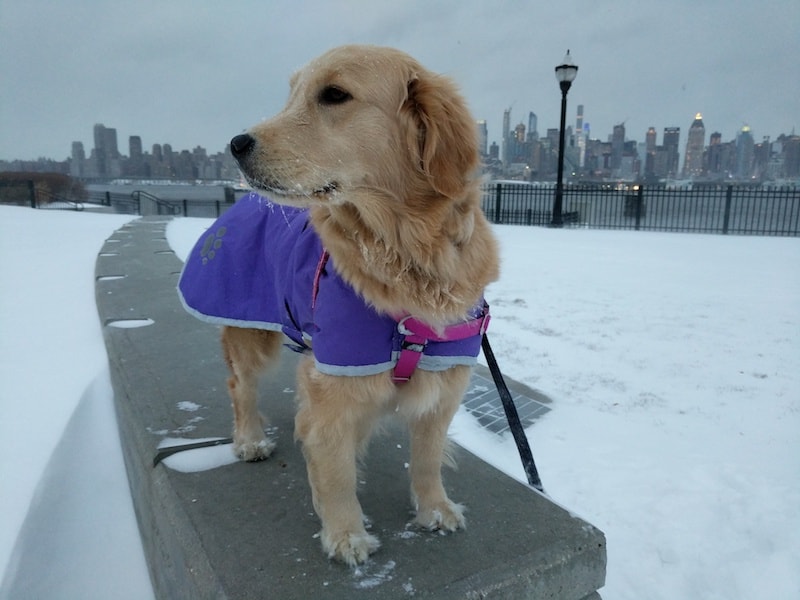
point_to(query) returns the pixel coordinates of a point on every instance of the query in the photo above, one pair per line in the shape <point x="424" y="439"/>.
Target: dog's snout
<point x="241" y="145"/>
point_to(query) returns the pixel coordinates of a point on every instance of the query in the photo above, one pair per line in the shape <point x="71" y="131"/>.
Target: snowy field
<point x="673" y="362"/>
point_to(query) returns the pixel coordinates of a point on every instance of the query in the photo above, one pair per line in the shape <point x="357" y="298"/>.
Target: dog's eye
<point x="334" y="95"/>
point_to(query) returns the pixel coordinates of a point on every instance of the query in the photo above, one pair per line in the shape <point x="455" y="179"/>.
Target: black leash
<point x="166" y="451"/>
<point x="513" y="418"/>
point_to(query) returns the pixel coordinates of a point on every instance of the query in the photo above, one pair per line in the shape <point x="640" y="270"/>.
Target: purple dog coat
<point x="257" y="267"/>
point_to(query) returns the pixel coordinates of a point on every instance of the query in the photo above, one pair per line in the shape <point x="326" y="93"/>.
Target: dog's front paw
<point x="252" y="451"/>
<point x="447" y="516"/>
<point x="352" y="548"/>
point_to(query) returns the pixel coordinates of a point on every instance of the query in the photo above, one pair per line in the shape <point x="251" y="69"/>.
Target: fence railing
<point x="728" y="209"/>
<point x="27" y="193"/>
<point x="141" y="202"/>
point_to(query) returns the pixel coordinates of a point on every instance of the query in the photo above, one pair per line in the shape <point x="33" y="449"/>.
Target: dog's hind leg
<point x="248" y="352"/>
<point x="428" y="432"/>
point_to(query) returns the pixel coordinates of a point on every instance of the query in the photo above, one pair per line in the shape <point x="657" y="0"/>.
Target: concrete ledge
<point x="249" y="530"/>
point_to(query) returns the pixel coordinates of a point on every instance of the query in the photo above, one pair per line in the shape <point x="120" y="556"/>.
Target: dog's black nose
<point x="242" y="145"/>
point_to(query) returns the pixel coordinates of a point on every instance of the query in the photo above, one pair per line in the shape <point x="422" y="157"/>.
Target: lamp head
<point x="566" y="71"/>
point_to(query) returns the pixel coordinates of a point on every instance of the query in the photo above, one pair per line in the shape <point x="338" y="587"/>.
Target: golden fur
<point x="384" y="153"/>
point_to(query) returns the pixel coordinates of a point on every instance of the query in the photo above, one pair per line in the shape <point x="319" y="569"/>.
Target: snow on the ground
<point x="673" y="362"/>
<point x="60" y="456"/>
<point x="674" y="365"/>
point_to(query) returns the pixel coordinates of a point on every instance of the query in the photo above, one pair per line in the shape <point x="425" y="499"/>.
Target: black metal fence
<point x="141" y="202"/>
<point x="728" y="209"/>
<point x="27" y="193"/>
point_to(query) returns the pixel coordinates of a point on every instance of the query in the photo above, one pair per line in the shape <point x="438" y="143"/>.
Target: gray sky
<point x="197" y="72"/>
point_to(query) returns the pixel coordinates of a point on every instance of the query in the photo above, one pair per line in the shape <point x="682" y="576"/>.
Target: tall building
<point x="714" y="157"/>
<point x="744" y="153"/>
<point x="99" y="136"/>
<point x="506" y="131"/>
<point x="761" y="158"/>
<point x="695" y="142"/>
<point x="99" y="153"/>
<point x="494" y="151"/>
<point x="650" y="153"/>
<point x="580" y="138"/>
<point x="168" y="163"/>
<point x="533" y="127"/>
<point x="78" y="156"/>
<point x="518" y="150"/>
<point x="135" y="165"/>
<point x="671" y="143"/>
<point x="105" y="154"/>
<point x="483" y="137"/>
<point x="111" y="143"/>
<point x="105" y="140"/>
<point x="135" y="147"/>
<point x="650" y="139"/>
<point x="519" y="133"/>
<point x="617" y="145"/>
<point x="791" y="155"/>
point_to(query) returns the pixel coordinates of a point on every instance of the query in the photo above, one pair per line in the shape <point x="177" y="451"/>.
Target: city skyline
<point x="531" y="155"/>
<point x="489" y="137"/>
<point x="524" y="153"/>
<point x="199" y="73"/>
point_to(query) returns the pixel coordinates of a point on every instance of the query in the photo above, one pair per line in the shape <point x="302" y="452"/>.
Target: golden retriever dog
<point x="381" y="154"/>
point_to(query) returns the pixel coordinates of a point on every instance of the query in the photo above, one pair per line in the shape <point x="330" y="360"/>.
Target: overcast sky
<point x="197" y="72"/>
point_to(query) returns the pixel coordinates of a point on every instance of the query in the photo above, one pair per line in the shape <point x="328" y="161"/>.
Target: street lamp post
<point x="565" y="74"/>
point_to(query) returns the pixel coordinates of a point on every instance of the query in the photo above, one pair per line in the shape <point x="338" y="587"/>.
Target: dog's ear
<point x="442" y="132"/>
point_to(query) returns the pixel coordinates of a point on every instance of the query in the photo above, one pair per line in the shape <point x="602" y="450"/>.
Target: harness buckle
<point x="413" y="347"/>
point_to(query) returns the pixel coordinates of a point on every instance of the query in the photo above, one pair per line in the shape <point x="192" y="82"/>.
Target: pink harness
<point x="416" y="334"/>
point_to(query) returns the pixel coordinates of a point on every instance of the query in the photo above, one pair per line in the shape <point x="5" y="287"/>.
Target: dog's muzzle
<point x="242" y="149"/>
<point x="242" y="145"/>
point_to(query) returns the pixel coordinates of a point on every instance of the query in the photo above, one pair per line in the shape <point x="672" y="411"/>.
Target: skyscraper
<point x="671" y="144"/>
<point x="483" y="136"/>
<point x="99" y="136"/>
<point x="78" y="157"/>
<point x="99" y="153"/>
<point x="506" y="131"/>
<point x="744" y="153"/>
<point x="650" y="139"/>
<point x="580" y="138"/>
<point x="695" y="142"/>
<point x="617" y="145"/>
<point x="105" y="153"/>
<point x="533" y="131"/>
<point x="519" y="133"/>
<point x="714" y="160"/>
<point x="135" y="164"/>
<point x="650" y="153"/>
<point x="111" y="142"/>
<point x="135" y="147"/>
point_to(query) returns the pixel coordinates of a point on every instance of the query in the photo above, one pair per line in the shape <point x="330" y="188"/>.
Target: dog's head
<point x="362" y="119"/>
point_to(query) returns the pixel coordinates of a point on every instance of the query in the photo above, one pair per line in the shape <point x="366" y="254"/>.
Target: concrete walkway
<point x="249" y="530"/>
